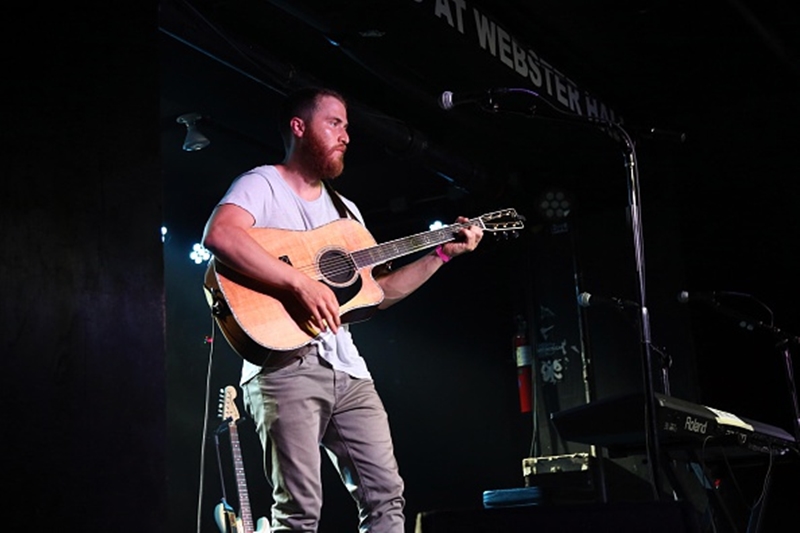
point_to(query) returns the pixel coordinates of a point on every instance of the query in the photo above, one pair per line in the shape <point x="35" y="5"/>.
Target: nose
<point x="344" y="137"/>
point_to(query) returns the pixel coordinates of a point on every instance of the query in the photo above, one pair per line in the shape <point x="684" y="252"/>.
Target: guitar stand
<point x="227" y="510"/>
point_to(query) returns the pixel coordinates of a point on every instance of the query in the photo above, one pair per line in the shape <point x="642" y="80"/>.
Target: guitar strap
<point x="344" y="212"/>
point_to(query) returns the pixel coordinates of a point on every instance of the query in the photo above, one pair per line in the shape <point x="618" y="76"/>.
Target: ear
<point x="298" y="126"/>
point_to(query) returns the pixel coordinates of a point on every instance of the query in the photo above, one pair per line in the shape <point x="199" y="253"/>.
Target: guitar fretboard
<point x="390" y="250"/>
<point x="241" y="480"/>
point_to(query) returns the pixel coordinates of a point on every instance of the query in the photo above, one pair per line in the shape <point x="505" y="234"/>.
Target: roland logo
<point x="695" y="426"/>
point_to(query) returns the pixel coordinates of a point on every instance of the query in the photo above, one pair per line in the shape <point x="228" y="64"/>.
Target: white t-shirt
<point x="264" y="193"/>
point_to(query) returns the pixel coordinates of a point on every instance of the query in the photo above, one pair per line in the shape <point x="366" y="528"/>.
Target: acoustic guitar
<point x="340" y="254"/>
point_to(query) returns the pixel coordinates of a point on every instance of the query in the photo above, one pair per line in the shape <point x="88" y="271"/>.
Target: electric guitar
<point x="340" y="254"/>
<point x="223" y="513"/>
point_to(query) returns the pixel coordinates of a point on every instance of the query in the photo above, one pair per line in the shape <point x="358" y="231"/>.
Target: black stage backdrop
<point x="83" y="349"/>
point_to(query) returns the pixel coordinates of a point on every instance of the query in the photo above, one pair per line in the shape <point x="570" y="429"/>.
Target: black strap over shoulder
<point x="344" y="212"/>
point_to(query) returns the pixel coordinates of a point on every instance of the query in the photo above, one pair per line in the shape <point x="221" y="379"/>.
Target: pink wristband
<point x="442" y="255"/>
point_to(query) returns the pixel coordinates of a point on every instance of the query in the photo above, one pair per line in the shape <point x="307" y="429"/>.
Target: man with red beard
<point x="322" y="393"/>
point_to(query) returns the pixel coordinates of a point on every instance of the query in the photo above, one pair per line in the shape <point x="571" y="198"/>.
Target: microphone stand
<point x="223" y="511"/>
<point x="652" y="444"/>
<point x="783" y="341"/>
<point x="783" y="347"/>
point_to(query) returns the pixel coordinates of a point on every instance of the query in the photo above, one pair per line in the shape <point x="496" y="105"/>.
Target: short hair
<point x="301" y="103"/>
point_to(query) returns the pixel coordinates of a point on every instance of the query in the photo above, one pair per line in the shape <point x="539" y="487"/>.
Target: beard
<point x="323" y="161"/>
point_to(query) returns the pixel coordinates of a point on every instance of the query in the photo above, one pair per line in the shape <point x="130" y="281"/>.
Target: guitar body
<point x="254" y="317"/>
<point x="226" y="519"/>
<point x="228" y="522"/>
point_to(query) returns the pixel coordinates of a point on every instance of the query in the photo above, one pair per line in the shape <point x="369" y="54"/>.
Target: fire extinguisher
<point x="522" y="355"/>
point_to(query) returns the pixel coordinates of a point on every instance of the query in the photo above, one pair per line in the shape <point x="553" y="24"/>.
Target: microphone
<point x="586" y="299"/>
<point x="667" y="135"/>
<point x="448" y="100"/>
<point x="684" y="297"/>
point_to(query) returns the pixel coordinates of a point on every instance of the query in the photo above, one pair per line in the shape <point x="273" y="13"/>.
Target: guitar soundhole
<point x="336" y="267"/>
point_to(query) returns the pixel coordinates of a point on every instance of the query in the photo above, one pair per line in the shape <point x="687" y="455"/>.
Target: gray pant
<point x="307" y="403"/>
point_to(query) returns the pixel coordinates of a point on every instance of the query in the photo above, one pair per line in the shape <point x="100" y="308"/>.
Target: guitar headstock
<point x="505" y="222"/>
<point x="227" y="404"/>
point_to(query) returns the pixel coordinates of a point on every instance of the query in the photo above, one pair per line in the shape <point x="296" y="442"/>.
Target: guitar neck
<point x="376" y="255"/>
<point x="241" y="482"/>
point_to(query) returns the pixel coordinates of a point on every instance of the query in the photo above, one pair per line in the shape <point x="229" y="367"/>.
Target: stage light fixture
<point x="199" y="254"/>
<point x="554" y="204"/>
<point x="194" y="140"/>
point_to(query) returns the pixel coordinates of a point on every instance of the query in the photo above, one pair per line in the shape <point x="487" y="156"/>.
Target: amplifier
<point x="570" y="477"/>
<point x="584" y="477"/>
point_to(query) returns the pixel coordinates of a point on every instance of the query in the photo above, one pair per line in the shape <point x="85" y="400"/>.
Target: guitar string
<point x="336" y="266"/>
